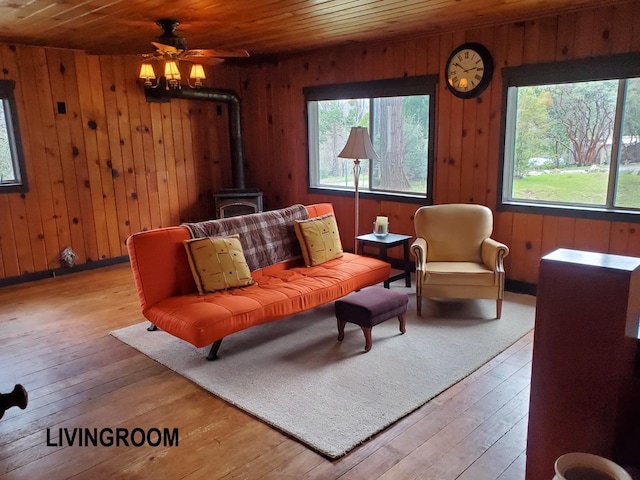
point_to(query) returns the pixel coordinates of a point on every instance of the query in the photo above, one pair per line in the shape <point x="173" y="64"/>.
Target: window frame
<point x="7" y="96"/>
<point x="393" y="87"/>
<point x="612" y="67"/>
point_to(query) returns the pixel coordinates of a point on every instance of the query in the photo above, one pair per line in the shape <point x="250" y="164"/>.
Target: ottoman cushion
<point x="371" y="306"/>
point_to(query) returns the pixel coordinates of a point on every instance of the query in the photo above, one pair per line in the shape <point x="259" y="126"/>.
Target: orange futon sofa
<point x="282" y="286"/>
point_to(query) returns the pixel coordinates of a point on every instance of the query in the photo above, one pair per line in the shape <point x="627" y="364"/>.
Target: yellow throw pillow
<point x="319" y="239"/>
<point x="217" y="263"/>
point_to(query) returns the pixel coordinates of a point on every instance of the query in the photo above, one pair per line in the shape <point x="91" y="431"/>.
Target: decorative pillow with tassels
<point x="319" y="239"/>
<point x="217" y="263"/>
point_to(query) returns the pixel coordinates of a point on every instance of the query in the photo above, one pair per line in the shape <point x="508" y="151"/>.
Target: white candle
<point x="382" y="225"/>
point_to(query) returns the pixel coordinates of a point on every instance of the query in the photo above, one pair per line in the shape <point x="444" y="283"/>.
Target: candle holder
<point x="380" y="230"/>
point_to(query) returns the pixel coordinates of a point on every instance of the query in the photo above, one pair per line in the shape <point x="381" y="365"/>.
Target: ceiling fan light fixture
<point x="197" y="75"/>
<point x="170" y="48"/>
<point x="172" y="74"/>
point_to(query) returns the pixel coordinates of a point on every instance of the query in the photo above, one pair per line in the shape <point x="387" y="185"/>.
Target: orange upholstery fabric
<point x="168" y="295"/>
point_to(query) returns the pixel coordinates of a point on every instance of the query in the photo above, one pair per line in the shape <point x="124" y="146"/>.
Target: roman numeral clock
<point x="469" y="70"/>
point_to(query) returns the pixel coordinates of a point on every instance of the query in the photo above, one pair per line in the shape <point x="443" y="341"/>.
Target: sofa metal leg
<point x="498" y="308"/>
<point x="213" y="353"/>
<point x="152" y="328"/>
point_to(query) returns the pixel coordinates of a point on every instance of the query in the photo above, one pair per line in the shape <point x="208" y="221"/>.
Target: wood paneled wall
<point x="115" y="164"/>
<point x="467" y="131"/>
<point x="111" y="166"/>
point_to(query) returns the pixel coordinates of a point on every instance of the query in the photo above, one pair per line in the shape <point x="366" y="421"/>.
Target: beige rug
<point x="294" y="374"/>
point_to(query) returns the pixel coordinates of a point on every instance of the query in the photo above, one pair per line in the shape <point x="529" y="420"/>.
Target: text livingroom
<point x="112" y="437"/>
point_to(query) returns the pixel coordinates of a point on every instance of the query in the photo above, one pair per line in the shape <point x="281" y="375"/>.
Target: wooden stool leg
<point x="341" y="324"/>
<point x="403" y="320"/>
<point x="367" y="338"/>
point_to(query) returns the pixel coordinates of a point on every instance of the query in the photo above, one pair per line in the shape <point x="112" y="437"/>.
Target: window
<point x="572" y="137"/>
<point x="399" y="116"/>
<point x="12" y="171"/>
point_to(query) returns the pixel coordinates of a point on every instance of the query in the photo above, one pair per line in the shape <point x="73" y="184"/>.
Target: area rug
<point x="294" y="375"/>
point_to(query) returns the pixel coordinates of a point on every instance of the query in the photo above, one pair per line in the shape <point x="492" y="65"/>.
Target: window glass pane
<point x="397" y="114"/>
<point x="7" y="172"/>
<point x="400" y="138"/>
<point x="335" y="119"/>
<point x="563" y="139"/>
<point x="628" y="188"/>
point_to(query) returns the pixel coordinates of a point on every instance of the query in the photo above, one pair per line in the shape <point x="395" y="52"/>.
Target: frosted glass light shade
<point x="197" y="72"/>
<point x="171" y="71"/>
<point x="147" y="74"/>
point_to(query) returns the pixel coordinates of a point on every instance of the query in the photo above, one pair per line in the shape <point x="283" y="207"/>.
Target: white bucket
<point x="585" y="466"/>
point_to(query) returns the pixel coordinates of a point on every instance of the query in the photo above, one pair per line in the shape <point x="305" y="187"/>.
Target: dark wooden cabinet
<point x="585" y="341"/>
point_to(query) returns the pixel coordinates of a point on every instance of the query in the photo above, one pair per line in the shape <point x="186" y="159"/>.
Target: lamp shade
<point x="171" y="71"/>
<point x="146" y="72"/>
<point x="358" y="145"/>
<point x="197" y="72"/>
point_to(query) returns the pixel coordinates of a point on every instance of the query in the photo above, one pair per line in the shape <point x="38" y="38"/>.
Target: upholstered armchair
<point x="455" y="256"/>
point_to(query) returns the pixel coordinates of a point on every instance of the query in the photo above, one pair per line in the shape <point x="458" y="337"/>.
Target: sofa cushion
<point x="217" y="263"/>
<point x="266" y="237"/>
<point x="319" y="239"/>
<point x="278" y="292"/>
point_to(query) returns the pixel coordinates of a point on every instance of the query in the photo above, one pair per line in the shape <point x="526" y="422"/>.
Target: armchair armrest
<point x="493" y="252"/>
<point x="419" y="250"/>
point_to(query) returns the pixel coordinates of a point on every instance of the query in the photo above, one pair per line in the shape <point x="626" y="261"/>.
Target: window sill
<point x="13" y="188"/>
<point x="379" y="196"/>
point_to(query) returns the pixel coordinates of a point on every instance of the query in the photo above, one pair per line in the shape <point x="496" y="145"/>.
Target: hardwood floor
<point x="54" y="340"/>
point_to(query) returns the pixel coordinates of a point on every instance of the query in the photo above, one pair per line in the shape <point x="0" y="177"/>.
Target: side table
<point x="383" y="244"/>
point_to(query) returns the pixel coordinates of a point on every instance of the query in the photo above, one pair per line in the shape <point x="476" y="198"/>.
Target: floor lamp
<point x="358" y="148"/>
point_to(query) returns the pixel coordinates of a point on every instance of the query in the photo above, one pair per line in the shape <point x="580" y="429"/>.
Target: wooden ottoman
<point x="369" y="307"/>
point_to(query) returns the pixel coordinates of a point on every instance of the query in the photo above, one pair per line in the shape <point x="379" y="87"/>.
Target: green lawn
<point x="578" y="188"/>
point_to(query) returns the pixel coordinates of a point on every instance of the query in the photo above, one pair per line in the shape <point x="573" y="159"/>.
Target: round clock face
<point x="469" y="70"/>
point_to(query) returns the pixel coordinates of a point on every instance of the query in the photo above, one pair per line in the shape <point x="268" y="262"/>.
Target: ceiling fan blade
<point x="166" y="49"/>
<point x="171" y="46"/>
<point x="216" y="53"/>
<point x="203" y="60"/>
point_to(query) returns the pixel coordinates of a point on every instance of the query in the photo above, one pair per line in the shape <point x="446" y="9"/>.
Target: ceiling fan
<point x="173" y="48"/>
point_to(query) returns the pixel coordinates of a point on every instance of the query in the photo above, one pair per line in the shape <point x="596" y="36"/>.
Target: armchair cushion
<point x="455" y="232"/>
<point x="459" y="273"/>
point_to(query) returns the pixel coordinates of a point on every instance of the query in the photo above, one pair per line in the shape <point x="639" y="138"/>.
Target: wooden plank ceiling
<point x="263" y="27"/>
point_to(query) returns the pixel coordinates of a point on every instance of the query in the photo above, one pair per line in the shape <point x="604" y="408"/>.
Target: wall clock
<point x="468" y="70"/>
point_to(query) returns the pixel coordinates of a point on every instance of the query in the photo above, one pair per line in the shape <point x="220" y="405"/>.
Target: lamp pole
<point x="356" y="179"/>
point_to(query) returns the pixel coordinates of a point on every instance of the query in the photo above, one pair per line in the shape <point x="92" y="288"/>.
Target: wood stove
<point x="231" y="202"/>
